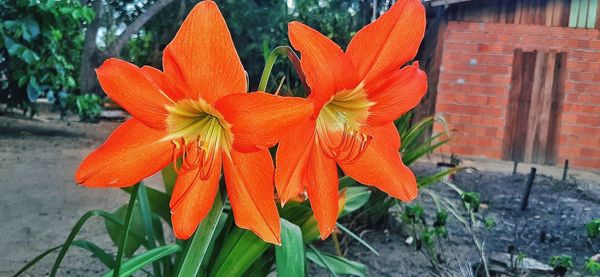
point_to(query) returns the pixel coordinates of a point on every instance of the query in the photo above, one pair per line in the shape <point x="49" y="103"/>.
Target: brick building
<point x="516" y="79"/>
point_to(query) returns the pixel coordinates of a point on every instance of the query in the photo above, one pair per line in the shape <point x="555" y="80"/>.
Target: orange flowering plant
<point x="195" y="121"/>
<point x="357" y="94"/>
<point x="197" y="110"/>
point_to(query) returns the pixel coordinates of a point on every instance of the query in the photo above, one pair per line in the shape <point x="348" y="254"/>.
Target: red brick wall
<point x="475" y="81"/>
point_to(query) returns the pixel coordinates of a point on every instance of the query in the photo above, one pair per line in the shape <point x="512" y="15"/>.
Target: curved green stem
<point x="125" y="231"/>
<point x="278" y="51"/>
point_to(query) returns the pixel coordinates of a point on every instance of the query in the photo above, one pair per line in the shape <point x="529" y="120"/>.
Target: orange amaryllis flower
<point x="197" y="110"/>
<point x="357" y="95"/>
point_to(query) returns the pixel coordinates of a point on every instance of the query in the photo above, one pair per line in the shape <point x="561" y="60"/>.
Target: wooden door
<point x="534" y="106"/>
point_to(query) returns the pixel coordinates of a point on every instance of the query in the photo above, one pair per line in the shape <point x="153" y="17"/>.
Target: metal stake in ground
<point x="565" y="170"/>
<point x="528" y="185"/>
<point x="515" y="168"/>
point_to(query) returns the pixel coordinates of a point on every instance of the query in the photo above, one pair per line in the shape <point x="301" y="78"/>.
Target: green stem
<point x="336" y="243"/>
<point x="125" y="231"/>
<point x="148" y="225"/>
<point x="278" y="51"/>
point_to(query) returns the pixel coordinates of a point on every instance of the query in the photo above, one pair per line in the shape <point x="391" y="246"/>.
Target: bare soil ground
<point x="553" y="224"/>
<point x="40" y="203"/>
<point x="39" y="200"/>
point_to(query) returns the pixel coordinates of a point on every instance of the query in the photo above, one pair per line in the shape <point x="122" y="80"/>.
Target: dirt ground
<point x="39" y="199"/>
<point x="41" y="203"/>
<point x="553" y="224"/>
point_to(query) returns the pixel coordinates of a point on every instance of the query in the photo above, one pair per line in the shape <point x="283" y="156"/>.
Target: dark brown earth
<point x="553" y="224"/>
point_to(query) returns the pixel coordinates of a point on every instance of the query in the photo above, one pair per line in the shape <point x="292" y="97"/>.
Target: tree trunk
<point x="92" y="57"/>
<point x="166" y="36"/>
<point x="87" y="76"/>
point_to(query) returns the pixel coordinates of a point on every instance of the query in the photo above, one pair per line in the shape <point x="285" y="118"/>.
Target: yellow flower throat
<point x="199" y="133"/>
<point x="339" y="124"/>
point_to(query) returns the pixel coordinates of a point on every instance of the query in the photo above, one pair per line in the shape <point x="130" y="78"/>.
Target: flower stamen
<point x="341" y="120"/>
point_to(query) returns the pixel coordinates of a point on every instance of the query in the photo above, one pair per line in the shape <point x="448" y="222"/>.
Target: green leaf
<point x="198" y="246"/>
<point x="356" y="237"/>
<point x="432" y="179"/>
<point x="23" y="80"/>
<point x="214" y="241"/>
<point x="593" y="228"/>
<point x="336" y="265"/>
<point x="75" y="231"/>
<point x="33" y="90"/>
<point x="29" y="56"/>
<point x="289" y="256"/>
<point x="138" y="262"/>
<point x="31" y="29"/>
<point x="356" y="197"/>
<point x="37" y="259"/>
<point x="104" y="257"/>
<point x="12" y="47"/>
<point x="137" y="226"/>
<point x="240" y="250"/>
<point x="146" y="214"/>
<point x="159" y="202"/>
<point x="125" y="230"/>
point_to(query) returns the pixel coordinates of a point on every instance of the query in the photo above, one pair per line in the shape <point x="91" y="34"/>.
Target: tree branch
<point x="135" y="26"/>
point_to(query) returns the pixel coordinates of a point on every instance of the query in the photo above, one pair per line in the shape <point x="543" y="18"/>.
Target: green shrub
<point x="593" y="228"/>
<point x="87" y="106"/>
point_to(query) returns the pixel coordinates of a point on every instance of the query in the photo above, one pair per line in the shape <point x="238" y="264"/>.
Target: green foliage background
<point x="41" y="42"/>
<point x="40" y="46"/>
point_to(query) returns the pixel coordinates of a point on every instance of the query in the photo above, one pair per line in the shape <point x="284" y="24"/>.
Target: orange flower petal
<point x="396" y="95"/>
<point x="249" y="180"/>
<point x="259" y="120"/>
<point x="161" y="80"/>
<point x="326" y="67"/>
<point x="388" y="43"/>
<point x="130" y="87"/>
<point x="132" y="153"/>
<point x="201" y="60"/>
<point x="322" y="188"/>
<point x="292" y="157"/>
<point x="193" y="198"/>
<point x="381" y="166"/>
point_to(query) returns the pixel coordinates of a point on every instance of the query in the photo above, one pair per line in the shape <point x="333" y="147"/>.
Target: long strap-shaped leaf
<point x="137" y="262"/>
<point x="356" y="237"/>
<point x="196" y="250"/>
<point x="335" y="265"/>
<point x="104" y="257"/>
<point x="125" y="231"/>
<point x="75" y="231"/>
<point x="289" y="257"/>
<point x="240" y="250"/>
<point x="148" y="224"/>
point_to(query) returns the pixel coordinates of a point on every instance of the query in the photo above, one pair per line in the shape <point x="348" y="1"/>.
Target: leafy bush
<point x="40" y="44"/>
<point x="593" y="228"/>
<point x="592" y="267"/>
<point x="561" y="264"/>
<point x="87" y="106"/>
<point x="565" y="261"/>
